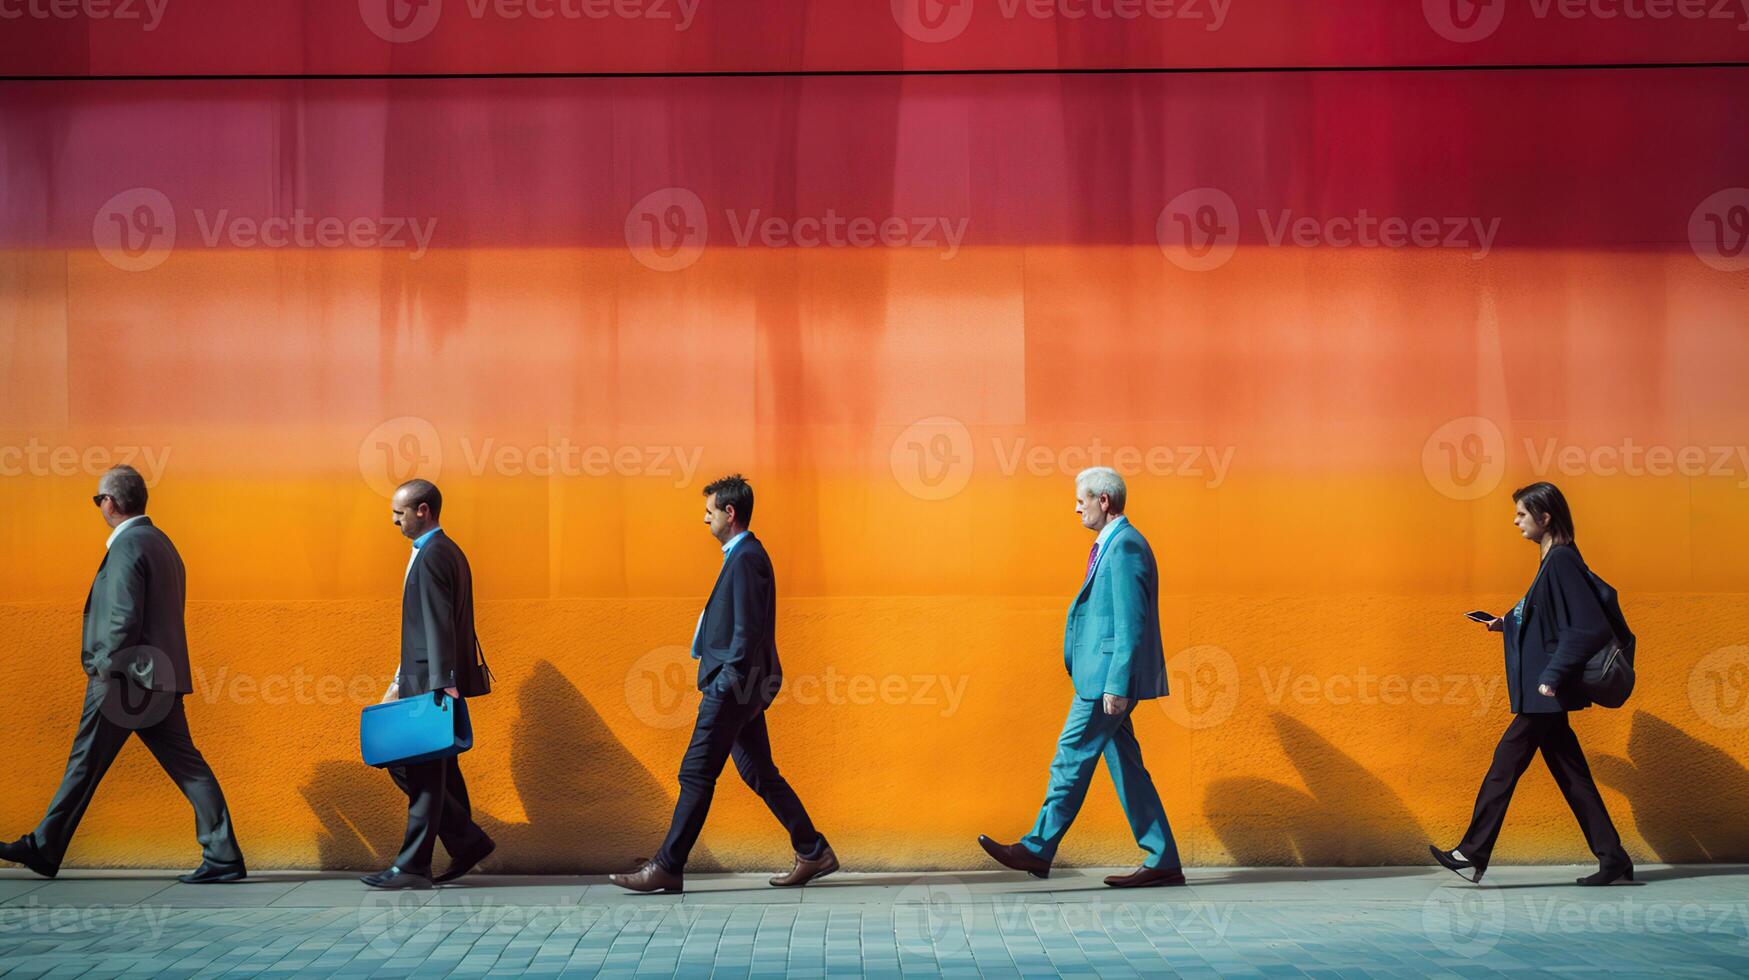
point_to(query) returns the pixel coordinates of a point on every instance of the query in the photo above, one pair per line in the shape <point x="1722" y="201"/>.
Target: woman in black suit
<point x="1549" y="635"/>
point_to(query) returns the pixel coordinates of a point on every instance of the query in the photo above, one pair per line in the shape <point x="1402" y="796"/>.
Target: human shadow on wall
<point x="1690" y="799"/>
<point x="1345" y="816"/>
<point x="591" y="807"/>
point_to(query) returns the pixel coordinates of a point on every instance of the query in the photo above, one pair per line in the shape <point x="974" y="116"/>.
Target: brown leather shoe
<point x="806" y="870"/>
<point x="1016" y="857"/>
<point x="1146" y="877"/>
<point x="652" y="877"/>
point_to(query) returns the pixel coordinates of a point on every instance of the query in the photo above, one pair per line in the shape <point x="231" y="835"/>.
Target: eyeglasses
<point x="98" y="499"/>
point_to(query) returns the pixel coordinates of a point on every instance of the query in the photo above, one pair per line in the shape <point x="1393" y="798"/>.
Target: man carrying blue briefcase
<point x="420" y="737"/>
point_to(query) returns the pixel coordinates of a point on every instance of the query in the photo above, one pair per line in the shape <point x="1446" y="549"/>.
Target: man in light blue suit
<point x="1112" y="651"/>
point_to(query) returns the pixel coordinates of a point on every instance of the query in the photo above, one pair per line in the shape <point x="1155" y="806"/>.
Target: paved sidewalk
<point x="1342" y="922"/>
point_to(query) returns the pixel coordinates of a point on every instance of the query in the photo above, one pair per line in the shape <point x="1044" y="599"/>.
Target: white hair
<point x="1102" y="479"/>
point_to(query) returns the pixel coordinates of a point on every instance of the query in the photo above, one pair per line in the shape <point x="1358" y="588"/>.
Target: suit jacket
<point x="134" y="608"/>
<point x="1111" y="644"/>
<point x="1551" y="635"/>
<point x="438" y="646"/>
<point x="737" y="641"/>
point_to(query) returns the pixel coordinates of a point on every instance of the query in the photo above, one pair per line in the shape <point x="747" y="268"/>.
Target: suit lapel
<point x="1099" y="560"/>
<point x="95" y="579"/>
<point x="418" y="569"/>
<point x="1529" y="596"/>
<point x="722" y="573"/>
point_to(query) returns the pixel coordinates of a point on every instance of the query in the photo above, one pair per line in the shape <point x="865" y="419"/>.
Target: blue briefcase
<point x="416" y="729"/>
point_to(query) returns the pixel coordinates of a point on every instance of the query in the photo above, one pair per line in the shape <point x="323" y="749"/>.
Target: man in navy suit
<point x="439" y="652"/>
<point x="736" y="649"/>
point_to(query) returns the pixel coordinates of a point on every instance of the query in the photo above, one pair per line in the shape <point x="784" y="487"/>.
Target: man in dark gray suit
<point x="738" y="672"/>
<point x="135" y="654"/>
<point x="439" y="652"/>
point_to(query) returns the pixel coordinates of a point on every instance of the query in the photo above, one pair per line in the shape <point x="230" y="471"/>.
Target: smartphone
<point x="1480" y="616"/>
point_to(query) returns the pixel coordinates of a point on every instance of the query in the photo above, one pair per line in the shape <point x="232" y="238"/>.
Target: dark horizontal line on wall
<point x="876" y="72"/>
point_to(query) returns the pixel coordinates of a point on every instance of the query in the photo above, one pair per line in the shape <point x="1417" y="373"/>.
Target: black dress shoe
<point x="1608" y="876"/>
<point x="394" y="879"/>
<point x="24" y="851"/>
<point x="1458" y="865"/>
<point x="211" y="874"/>
<point x="461" y="864"/>
<point x="1016" y="857"/>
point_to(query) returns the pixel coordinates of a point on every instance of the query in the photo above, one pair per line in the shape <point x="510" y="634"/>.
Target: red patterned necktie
<point x="1092" y="559"/>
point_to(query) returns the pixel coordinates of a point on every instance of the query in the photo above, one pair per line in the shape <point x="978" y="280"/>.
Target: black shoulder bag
<point x="1609" y="673"/>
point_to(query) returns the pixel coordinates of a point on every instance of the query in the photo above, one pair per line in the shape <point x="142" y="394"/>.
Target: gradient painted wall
<point x="95" y="38"/>
<point x="1325" y="322"/>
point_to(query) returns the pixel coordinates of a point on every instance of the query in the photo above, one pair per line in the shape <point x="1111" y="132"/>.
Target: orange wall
<point x="912" y="424"/>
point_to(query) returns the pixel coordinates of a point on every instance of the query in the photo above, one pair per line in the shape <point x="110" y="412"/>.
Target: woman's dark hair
<point x="1544" y="502"/>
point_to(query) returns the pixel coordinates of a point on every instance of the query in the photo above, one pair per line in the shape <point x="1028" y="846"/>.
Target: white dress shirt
<point x="1105" y="534"/>
<point x="124" y="525"/>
